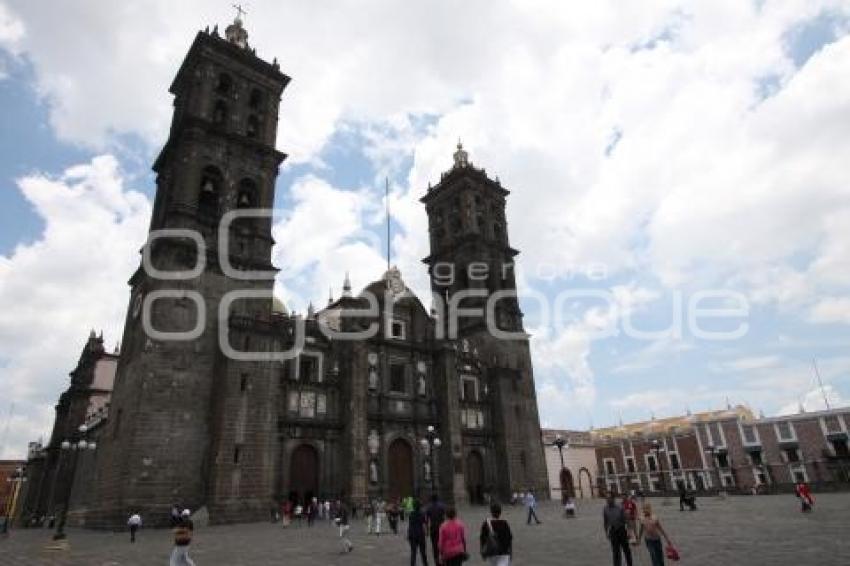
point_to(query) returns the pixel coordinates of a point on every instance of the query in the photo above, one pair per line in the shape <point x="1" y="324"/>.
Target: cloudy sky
<point x="657" y="152"/>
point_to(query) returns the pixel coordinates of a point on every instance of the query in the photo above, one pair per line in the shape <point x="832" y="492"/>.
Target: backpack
<point x="490" y="544"/>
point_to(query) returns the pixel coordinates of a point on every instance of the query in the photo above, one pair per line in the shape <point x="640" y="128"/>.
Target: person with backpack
<point x="496" y="538"/>
<point x="182" y="539"/>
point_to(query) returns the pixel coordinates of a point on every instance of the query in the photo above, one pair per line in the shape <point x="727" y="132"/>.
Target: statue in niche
<point x="427" y="472"/>
<point x="373" y="380"/>
<point x="373" y="442"/>
<point x="373" y="472"/>
<point x="422" y="385"/>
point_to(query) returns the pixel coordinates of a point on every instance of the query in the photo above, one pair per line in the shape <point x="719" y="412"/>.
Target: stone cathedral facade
<point x="221" y="419"/>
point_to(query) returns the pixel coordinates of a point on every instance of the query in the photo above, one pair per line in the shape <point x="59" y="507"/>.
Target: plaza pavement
<point x="752" y="531"/>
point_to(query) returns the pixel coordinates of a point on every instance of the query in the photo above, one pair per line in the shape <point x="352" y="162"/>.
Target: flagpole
<point x="387" y="201"/>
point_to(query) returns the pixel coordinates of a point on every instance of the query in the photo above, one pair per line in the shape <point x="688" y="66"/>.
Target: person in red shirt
<point x="452" y="540"/>
<point x="630" y="511"/>
<point x="805" y="495"/>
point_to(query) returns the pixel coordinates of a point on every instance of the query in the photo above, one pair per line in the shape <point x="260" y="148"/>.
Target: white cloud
<point x="321" y="237"/>
<point x="813" y="400"/>
<point x="71" y="279"/>
<point x="831" y="309"/>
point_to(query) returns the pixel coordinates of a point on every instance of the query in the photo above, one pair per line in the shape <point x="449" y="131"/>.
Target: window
<point x="397" y="330"/>
<point x="307" y="368"/>
<point x="208" y="191"/>
<point x="247" y="195"/>
<point x="651" y="463"/>
<point x="609" y="467"/>
<point x="630" y="465"/>
<point x="755" y="458"/>
<point x="840" y="448"/>
<point x="674" y="461"/>
<point x="497" y="231"/>
<point x="256" y="99"/>
<point x="308" y="405"/>
<point x="792" y="455"/>
<point x="224" y="84"/>
<point x="749" y="434"/>
<point x="397" y="378"/>
<point x="832" y="424"/>
<point x="252" y="127"/>
<point x="469" y="388"/>
<point x="723" y="460"/>
<point x="784" y="430"/>
<point x="220" y="113"/>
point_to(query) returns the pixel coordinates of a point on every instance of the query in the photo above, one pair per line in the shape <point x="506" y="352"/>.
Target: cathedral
<point x="223" y="400"/>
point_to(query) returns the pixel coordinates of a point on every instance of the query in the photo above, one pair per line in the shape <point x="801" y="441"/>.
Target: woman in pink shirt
<point x="452" y="540"/>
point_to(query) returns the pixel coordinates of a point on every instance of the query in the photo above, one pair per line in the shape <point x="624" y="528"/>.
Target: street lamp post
<point x="73" y="447"/>
<point x="429" y="444"/>
<point x="560" y="444"/>
<point x="657" y="448"/>
<point x="17" y="478"/>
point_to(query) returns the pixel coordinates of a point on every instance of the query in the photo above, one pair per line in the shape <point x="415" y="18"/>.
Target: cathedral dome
<point x="277" y="306"/>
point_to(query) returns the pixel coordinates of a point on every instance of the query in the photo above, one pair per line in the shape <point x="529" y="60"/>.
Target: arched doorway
<point x="400" y="459"/>
<point x="475" y="477"/>
<point x="303" y="473"/>
<point x="584" y="474"/>
<point x="567" y="487"/>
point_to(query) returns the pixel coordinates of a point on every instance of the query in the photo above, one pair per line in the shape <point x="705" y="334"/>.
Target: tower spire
<point x="461" y="156"/>
<point x="235" y="32"/>
<point x="346" y="286"/>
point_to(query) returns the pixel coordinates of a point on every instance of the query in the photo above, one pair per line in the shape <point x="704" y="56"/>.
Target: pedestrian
<point x="531" y="504"/>
<point x="134" y="522"/>
<point x="496" y="538"/>
<point x="416" y="533"/>
<point x="392" y="516"/>
<point x="452" y="540"/>
<point x="380" y="515"/>
<point x="630" y="511"/>
<point x="570" y="507"/>
<point x="652" y="531"/>
<point x="182" y="539"/>
<point x="804" y="493"/>
<point x="614" y="523"/>
<point x="436" y="514"/>
<point x="341" y="521"/>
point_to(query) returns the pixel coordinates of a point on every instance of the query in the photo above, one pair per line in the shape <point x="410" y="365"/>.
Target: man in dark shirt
<point x="436" y="514"/>
<point x="614" y="523"/>
<point x="416" y="527"/>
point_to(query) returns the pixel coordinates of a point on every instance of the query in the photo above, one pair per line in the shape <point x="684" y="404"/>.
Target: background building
<point x="572" y="470"/>
<point x="729" y="449"/>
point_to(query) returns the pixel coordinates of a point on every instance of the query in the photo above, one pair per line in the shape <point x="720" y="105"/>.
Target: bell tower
<point x="471" y="266"/>
<point x="171" y="420"/>
<point x="470" y="250"/>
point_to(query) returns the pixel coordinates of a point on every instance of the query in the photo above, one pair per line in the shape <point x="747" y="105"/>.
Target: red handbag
<point x="672" y="553"/>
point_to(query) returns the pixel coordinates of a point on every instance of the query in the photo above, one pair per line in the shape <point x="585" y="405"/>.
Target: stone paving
<point x="752" y="531"/>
